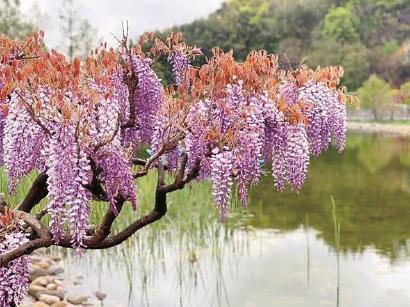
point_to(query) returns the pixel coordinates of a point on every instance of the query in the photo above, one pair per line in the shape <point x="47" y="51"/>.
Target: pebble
<point x="55" y="270"/>
<point x="52" y="286"/>
<point x="43" y="280"/>
<point x="33" y="290"/>
<point x="77" y="299"/>
<point x="48" y="299"/>
<point x="36" y="258"/>
<point x="43" y="265"/>
<point x="60" y="294"/>
<point x="60" y="304"/>
<point x="36" y="273"/>
<point x="40" y="304"/>
<point x="56" y="258"/>
<point x="58" y="282"/>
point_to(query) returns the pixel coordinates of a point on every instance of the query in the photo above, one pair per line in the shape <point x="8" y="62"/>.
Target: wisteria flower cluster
<point x="14" y="277"/>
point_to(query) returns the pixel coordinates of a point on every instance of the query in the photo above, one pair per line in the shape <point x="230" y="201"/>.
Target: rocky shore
<point x="369" y="127"/>
<point x="49" y="287"/>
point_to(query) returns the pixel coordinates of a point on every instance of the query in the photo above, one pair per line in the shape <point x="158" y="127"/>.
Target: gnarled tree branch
<point x="37" y="192"/>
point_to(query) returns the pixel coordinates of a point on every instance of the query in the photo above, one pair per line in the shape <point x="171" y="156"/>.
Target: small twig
<point x="111" y="138"/>
<point x="41" y="214"/>
<point x="32" y="113"/>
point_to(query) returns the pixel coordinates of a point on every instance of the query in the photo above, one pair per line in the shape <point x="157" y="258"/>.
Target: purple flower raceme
<point x="148" y="98"/>
<point x="13" y="277"/>
<point x="116" y="174"/>
<point x="289" y="92"/>
<point x="327" y="117"/>
<point x="180" y="63"/>
<point x="68" y="172"/>
<point x="221" y="175"/>
<point x="22" y="142"/>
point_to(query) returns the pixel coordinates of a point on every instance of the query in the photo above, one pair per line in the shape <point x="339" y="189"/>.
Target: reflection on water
<point x="287" y="249"/>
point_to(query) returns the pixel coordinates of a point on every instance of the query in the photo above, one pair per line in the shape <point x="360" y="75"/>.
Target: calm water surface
<point x="286" y="249"/>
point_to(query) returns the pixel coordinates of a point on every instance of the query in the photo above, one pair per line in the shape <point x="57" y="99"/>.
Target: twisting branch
<point x="37" y="192"/>
<point x="180" y="181"/>
<point x="104" y="229"/>
<point x="131" y="80"/>
<point x="160" y="209"/>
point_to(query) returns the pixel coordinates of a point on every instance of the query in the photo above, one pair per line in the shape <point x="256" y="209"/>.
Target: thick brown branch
<point x="157" y="213"/>
<point x="104" y="229"/>
<point x="37" y="192"/>
<point x="180" y="183"/>
<point x="131" y="80"/>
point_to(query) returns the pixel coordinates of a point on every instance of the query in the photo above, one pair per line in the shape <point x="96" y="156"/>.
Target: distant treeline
<point x="365" y="36"/>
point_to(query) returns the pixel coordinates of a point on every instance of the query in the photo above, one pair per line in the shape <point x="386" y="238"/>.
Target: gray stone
<point x="60" y="294"/>
<point x="48" y="299"/>
<point x="43" y="264"/>
<point x="33" y="290"/>
<point x="76" y="299"/>
<point x="36" y="273"/>
<point x="56" y="258"/>
<point x="55" y="270"/>
<point x="43" y="280"/>
<point x="52" y="287"/>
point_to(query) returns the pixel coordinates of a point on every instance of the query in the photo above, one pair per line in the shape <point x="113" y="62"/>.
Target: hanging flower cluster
<point x="14" y="277"/>
<point x="180" y="64"/>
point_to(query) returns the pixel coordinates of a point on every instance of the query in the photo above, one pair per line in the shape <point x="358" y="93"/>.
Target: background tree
<point x="341" y="24"/>
<point x="78" y="35"/>
<point x="376" y="95"/>
<point x="12" y="23"/>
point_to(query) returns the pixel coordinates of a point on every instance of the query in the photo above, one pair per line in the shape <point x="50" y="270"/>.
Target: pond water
<point x="286" y="249"/>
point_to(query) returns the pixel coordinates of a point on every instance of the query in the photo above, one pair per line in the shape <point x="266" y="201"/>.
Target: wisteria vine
<point x="83" y="124"/>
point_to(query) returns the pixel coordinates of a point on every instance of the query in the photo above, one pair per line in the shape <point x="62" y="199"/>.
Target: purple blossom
<point x="68" y="173"/>
<point x="22" y="143"/>
<point x="116" y="174"/>
<point x="180" y="63"/>
<point x="327" y="117"/>
<point x="14" y="277"/>
<point x="148" y="98"/>
<point x="221" y="175"/>
<point x="289" y="92"/>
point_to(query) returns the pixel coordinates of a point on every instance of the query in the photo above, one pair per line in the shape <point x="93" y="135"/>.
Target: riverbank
<point x="49" y="286"/>
<point x="398" y="129"/>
